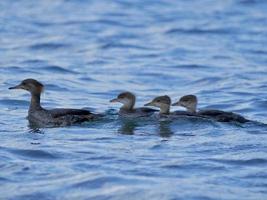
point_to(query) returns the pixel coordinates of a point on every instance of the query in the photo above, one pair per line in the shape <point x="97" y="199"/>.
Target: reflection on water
<point x="33" y="129"/>
<point x="164" y="129"/>
<point x="127" y="127"/>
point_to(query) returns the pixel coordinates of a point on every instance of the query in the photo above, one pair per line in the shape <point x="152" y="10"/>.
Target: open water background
<point x="86" y="52"/>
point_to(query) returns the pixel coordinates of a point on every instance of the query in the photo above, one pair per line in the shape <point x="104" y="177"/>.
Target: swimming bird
<point x="164" y="104"/>
<point x="161" y="102"/>
<point x="41" y="117"/>
<point x="190" y="103"/>
<point x="127" y="109"/>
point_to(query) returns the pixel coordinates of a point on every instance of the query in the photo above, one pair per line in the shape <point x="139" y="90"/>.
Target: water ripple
<point x="57" y="69"/>
<point x="86" y="52"/>
<point x="249" y="162"/>
<point x="197" y="31"/>
<point x="33" y="154"/>
<point x="48" y="46"/>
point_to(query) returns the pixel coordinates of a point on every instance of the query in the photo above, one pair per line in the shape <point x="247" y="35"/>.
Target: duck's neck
<point x="192" y="109"/>
<point x="164" y="109"/>
<point x="128" y="105"/>
<point x="35" y="101"/>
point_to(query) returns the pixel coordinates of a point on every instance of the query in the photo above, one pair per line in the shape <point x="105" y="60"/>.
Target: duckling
<point x="161" y="102"/>
<point x="164" y="103"/>
<point x="127" y="109"/>
<point x="190" y="103"/>
<point x="41" y="117"/>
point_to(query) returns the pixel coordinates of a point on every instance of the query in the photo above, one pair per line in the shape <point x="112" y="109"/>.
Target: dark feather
<point x="147" y="110"/>
<point x="211" y="113"/>
<point x="223" y="116"/>
<point x="180" y="112"/>
<point x="59" y="112"/>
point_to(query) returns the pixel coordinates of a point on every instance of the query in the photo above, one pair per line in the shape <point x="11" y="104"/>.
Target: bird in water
<point x="128" y="110"/>
<point x="190" y="103"/>
<point x="41" y="117"/>
<point x="164" y="104"/>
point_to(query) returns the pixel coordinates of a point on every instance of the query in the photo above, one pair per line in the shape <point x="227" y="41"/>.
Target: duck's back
<point x="184" y="113"/>
<point x="59" y="117"/>
<point x="223" y="116"/>
<point x="137" y="112"/>
<point x="59" y="112"/>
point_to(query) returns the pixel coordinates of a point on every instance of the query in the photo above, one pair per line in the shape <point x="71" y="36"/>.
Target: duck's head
<point x="31" y="85"/>
<point x="188" y="101"/>
<point x="162" y="102"/>
<point x="126" y="98"/>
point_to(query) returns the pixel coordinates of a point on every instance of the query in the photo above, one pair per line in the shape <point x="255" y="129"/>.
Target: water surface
<point x="86" y="52"/>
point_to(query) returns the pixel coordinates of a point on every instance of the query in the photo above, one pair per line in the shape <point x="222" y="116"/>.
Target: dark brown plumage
<point x="41" y="117"/>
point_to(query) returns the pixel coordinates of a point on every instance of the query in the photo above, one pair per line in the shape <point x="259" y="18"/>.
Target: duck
<point x="164" y="104"/>
<point x="41" y="117"/>
<point x="190" y="103"/>
<point x="128" y="110"/>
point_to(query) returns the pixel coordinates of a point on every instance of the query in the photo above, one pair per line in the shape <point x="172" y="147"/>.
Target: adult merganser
<point x="128" y="110"/>
<point x="38" y="116"/>
<point x="190" y="103"/>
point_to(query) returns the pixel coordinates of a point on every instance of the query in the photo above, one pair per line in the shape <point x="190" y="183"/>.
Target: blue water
<point x="86" y="52"/>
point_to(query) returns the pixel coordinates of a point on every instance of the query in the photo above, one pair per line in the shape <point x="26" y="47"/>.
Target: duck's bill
<point x="149" y="104"/>
<point x="176" y="104"/>
<point x="16" y="87"/>
<point x="114" y="100"/>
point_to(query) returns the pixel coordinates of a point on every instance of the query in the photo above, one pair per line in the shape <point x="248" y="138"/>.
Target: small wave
<point x="260" y="103"/>
<point x="34" y="195"/>
<point x="117" y="23"/>
<point x="251" y="2"/>
<point x="101" y="158"/>
<point x="192" y="167"/>
<point x="13" y="102"/>
<point x="33" y="154"/>
<point x="56" y="87"/>
<point x="191" y="66"/>
<point x="123" y="46"/>
<point x="97" y="62"/>
<point x="197" y="31"/>
<point x="43" y="23"/>
<point x="91" y="23"/>
<point x="48" y="46"/>
<point x="148" y="55"/>
<point x="101" y="181"/>
<point x="4" y="180"/>
<point x="34" y="62"/>
<point x="57" y="69"/>
<point x="207" y="81"/>
<point x="15" y="69"/>
<point x="97" y="182"/>
<point x="257" y="52"/>
<point x="88" y="79"/>
<point x="249" y="162"/>
<point x="257" y="175"/>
